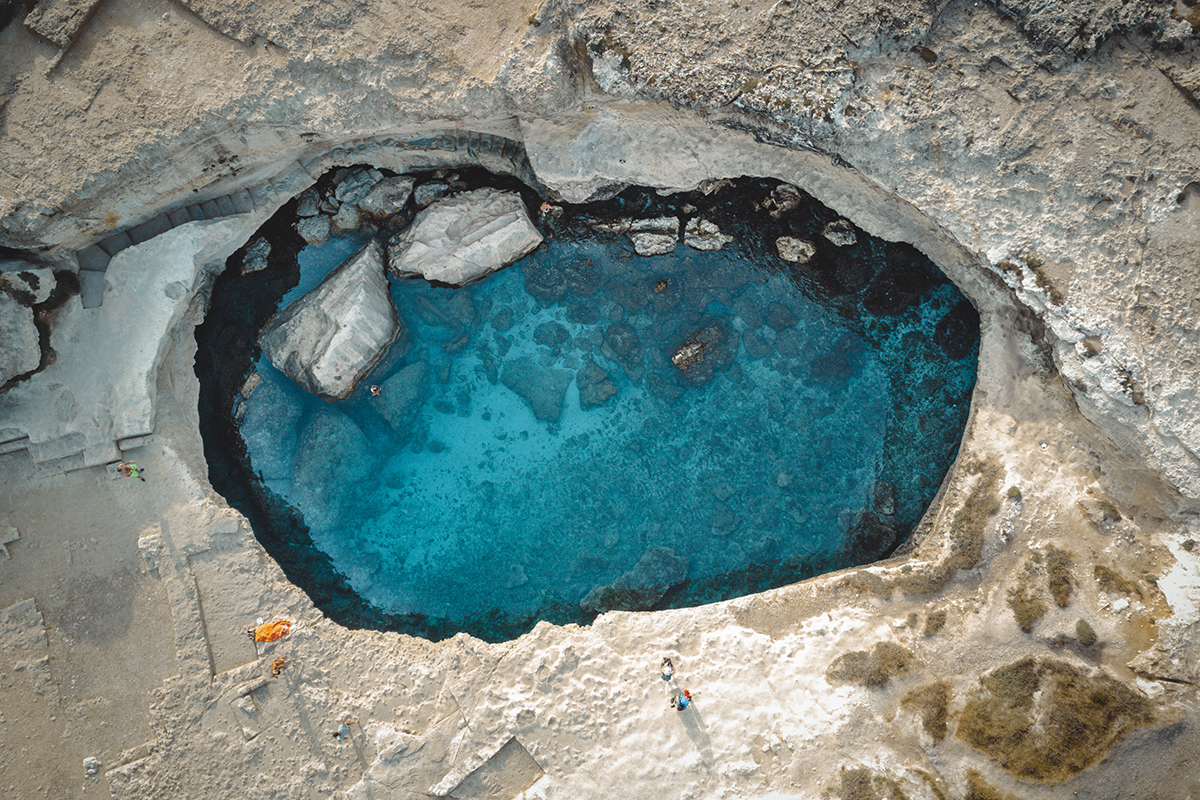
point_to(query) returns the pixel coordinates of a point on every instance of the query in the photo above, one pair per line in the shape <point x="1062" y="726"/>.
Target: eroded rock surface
<point x="328" y="339"/>
<point x="461" y="239"/>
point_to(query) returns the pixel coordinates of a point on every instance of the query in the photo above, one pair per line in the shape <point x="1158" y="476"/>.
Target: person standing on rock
<point x="682" y="700"/>
<point x="128" y="469"/>
<point x="343" y="731"/>
<point x="668" y="669"/>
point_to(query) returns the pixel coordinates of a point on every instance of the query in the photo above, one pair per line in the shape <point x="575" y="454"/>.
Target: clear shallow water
<point x="447" y="504"/>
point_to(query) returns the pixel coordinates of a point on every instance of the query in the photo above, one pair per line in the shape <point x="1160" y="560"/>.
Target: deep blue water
<point x="812" y="437"/>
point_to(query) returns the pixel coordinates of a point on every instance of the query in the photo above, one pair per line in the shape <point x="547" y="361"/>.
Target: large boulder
<point x="657" y="572"/>
<point x="542" y="387"/>
<point x="21" y="351"/>
<point x="332" y="336"/>
<point x="461" y="239"/>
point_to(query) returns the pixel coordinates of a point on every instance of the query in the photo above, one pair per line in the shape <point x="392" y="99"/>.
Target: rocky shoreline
<point x="1037" y="638"/>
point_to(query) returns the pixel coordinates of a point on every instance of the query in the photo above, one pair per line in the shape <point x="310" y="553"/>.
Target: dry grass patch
<point x="1047" y="720"/>
<point x="932" y="703"/>
<point x="872" y="668"/>
<point x="1058" y="573"/>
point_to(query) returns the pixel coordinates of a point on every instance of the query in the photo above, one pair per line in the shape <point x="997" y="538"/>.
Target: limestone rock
<point x="401" y="394"/>
<point x="313" y="230"/>
<point x="798" y="251"/>
<point x="657" y="571"/>
<point x="387" y="197"/>
<point x="463" y="238"/>
<point x="704" y="235"/>
<point x="309" y="204"/>
<point x="328" y="339"/>
<point x="840" y="232"/>
<point x="654" y="237"/>
<point x="21" y="351"/>
<point x="347" y="218"/>
<point x="542" y="387"/>
<point x="355" y="184"/>
<point x="27" y="283"/>
<point x="257" y="253"/>
<point x="426" y="193"/>
<point x="784" y="197"/>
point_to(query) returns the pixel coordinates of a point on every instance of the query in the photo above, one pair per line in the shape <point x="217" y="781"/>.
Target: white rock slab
<point x="461" y="239"/>
<point x="103" y="385"/>
<point x="20" y="351"/>
<point x="704" y="235"/>
<point x="30" y="283"/>
<point x="798" y="251"/>
<point x="332" y="336"/>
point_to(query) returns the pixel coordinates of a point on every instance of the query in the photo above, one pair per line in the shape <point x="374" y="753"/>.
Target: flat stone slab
<point x="328" y="339"/>
<point x="59" y="21"/>
<point x="461" y="239"/>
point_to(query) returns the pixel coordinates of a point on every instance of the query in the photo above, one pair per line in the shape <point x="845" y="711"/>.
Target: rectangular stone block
<point x="116" y="243"/>
<point x="241" y="201"/>
<point x="92" y="258"/>
<point x="210" y="210"/>
<point x="91" y="288"/>
<point x="225" y="206"/>
<point x="179" y="216"/>
<point x="149" y="229"/>
<point x="59" y="21"/>
<point x="196" y="212"/>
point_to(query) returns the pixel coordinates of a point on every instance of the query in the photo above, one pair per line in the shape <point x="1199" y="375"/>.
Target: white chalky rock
<point x="21" y="351"/>
<point x="328" y="339"/>
<point x="795" y="250"/>
<point x="704" y="235"/>
<point x="463" y="238"/>
<point x="841" y="233"/>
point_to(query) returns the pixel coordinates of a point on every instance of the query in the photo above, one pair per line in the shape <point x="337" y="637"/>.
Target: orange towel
<point x="271" y="631"/>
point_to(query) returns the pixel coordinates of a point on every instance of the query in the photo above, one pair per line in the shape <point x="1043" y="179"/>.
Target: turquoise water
<point x="533" y="441"/>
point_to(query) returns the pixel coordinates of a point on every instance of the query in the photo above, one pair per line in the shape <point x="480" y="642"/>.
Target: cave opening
<point x="774" y="395"/>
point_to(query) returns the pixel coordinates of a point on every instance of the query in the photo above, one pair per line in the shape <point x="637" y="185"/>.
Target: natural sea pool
<point x="812" y="438"/>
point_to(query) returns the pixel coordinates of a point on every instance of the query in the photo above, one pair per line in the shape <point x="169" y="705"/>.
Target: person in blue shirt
<point x="682" y="700"/>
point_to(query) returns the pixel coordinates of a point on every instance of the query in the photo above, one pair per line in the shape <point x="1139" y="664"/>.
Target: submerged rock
<point x="798" y="251"/>
<point x="463" y="238"/>
<point x="542" y="387"/>
<point x="402" y="393"/>
<point x="22" y="351"/>
<point x="328" y="339"/>
<point x="595" y="387"/>
<point x="656" y="573"/>
<point x="704" y="352"/>
<point x="334" y="455"/>
<point x="270" y="429"/>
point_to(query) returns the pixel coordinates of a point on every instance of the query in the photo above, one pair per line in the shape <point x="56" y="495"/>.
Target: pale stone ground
<point x="1072" y="157"/>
